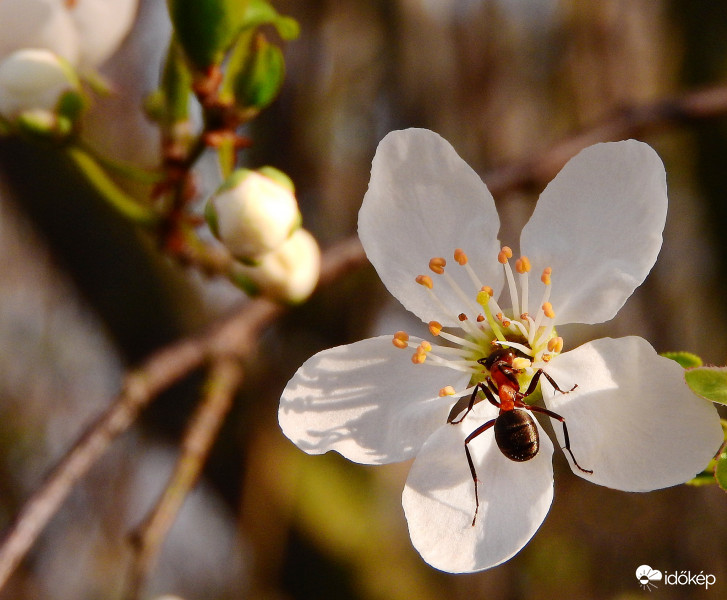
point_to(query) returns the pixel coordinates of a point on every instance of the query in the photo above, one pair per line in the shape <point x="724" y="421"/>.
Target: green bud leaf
<point x="720" y="470"/>
<point x="708" y="382"/>
<point x="207" y="28"/>
<point x="259" y="80"/>
<point x="170" y="104"/>
<point x="260" y="12"/>
<point x="686" y="359"/>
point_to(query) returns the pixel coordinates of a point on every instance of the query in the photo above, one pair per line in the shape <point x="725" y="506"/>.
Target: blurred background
<point x="83" y="296"/>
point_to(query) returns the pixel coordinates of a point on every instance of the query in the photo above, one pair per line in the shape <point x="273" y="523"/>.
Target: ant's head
<point x="501" y="354"/>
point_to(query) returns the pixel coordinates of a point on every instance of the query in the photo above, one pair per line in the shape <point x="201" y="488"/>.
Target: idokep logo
<point x="648" y="576"/>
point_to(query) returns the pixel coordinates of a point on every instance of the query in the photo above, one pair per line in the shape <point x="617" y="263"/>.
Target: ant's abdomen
<point x="516" y="435"/>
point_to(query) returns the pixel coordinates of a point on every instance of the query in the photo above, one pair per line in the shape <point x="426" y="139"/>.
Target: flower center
<point x="484" y="326"/>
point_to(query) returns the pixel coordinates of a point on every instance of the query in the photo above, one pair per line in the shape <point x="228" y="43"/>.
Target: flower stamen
<point x="462" y="260"/>
<point x="503" y="258"/>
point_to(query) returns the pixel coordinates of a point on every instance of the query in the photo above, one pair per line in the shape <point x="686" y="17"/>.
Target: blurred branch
<point x="629" y="121"/>
<point x="236" y="336"/>
<point x="223" y="381"/>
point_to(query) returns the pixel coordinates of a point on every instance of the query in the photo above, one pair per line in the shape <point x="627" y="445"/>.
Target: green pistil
<point x="483" y="299"/>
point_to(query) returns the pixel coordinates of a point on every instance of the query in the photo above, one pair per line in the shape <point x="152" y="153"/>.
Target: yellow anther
<point x="522" y="264"/>
<point x="425" y="346"/>
<point x="418" y="357"/>
<point x="480" y="318"/>
<point x="435" y="327"/>
<point x="400" y="339"/>
<point x="545" y="277"/>
<point x="460" y="256"/>
<point x="524" y="317"/>
<point x="462" y="317"/>
<point x="504" y="255"/>
<point x="437" y="264"/>
<point x="548" y="310"/>
<point x="447" y="391"/>
<point x="425" y="280"/>
<point x="520" y="362"/>
<point x="555" y="345"/>
<point x="546" y="357"/>
<point x="488" y="290"/>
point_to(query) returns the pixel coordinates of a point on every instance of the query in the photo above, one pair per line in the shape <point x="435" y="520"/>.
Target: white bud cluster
<point x="43" y="43"/>
<point x="255" y="215"/>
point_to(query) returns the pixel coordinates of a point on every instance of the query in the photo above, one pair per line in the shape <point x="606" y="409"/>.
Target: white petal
<point x="632" y="418"/>
<point x="598" y="224"/>
<point x="425" y="201"/>
<point x="101" y="26"/>
<point x="367" y="401"/>
<point x="439" y="500"/>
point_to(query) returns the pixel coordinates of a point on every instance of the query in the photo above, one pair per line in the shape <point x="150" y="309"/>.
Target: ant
<point x="516" y="433"/>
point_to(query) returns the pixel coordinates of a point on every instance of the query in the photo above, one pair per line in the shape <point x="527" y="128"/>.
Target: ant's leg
<point x="470" y="437"/>
<point x="534" y="383"/>
<point x="555" y="385"/>
<point x="457" y="408"/>
<point x="556" y="416"/>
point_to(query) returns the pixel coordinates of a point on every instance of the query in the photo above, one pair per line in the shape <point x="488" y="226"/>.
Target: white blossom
<point x="429" y="226"/>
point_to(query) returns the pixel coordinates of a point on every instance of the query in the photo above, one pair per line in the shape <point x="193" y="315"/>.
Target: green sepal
<point x="686" y="359"/>
<point x="708" y="382"/>
<point x="278" y="177"/>
<point x="207" y="28"/>
<point x="70" y="105"/>
<point x="242" y="281"/>
<point x="233" y="180"/>
<point x="210" y="215"/>
<point x="38" y="124"/>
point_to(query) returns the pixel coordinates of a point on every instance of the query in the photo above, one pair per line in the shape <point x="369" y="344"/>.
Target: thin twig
<point x="223" y="381"/>
<point x="237" y="333"/>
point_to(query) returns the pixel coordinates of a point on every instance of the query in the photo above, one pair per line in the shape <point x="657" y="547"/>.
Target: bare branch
<point x="222" y="383"/>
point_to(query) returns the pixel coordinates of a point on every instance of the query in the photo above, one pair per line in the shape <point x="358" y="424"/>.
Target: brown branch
<point x="223" y="381"/>
<point x="629" y="121"/>
<point x="237" y="334"/>
<point x="234" y="336"/>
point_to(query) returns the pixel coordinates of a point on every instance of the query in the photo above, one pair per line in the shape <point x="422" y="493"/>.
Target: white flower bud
<point x="289" y="273"/>
<point x="33" y="80"/>
<point x="252" y="214"/>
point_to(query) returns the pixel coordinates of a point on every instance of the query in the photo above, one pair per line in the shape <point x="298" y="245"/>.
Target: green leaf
<point x="685" y="359"/>
<point x="207" y="28"/>
<point x="708" y="382"/>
